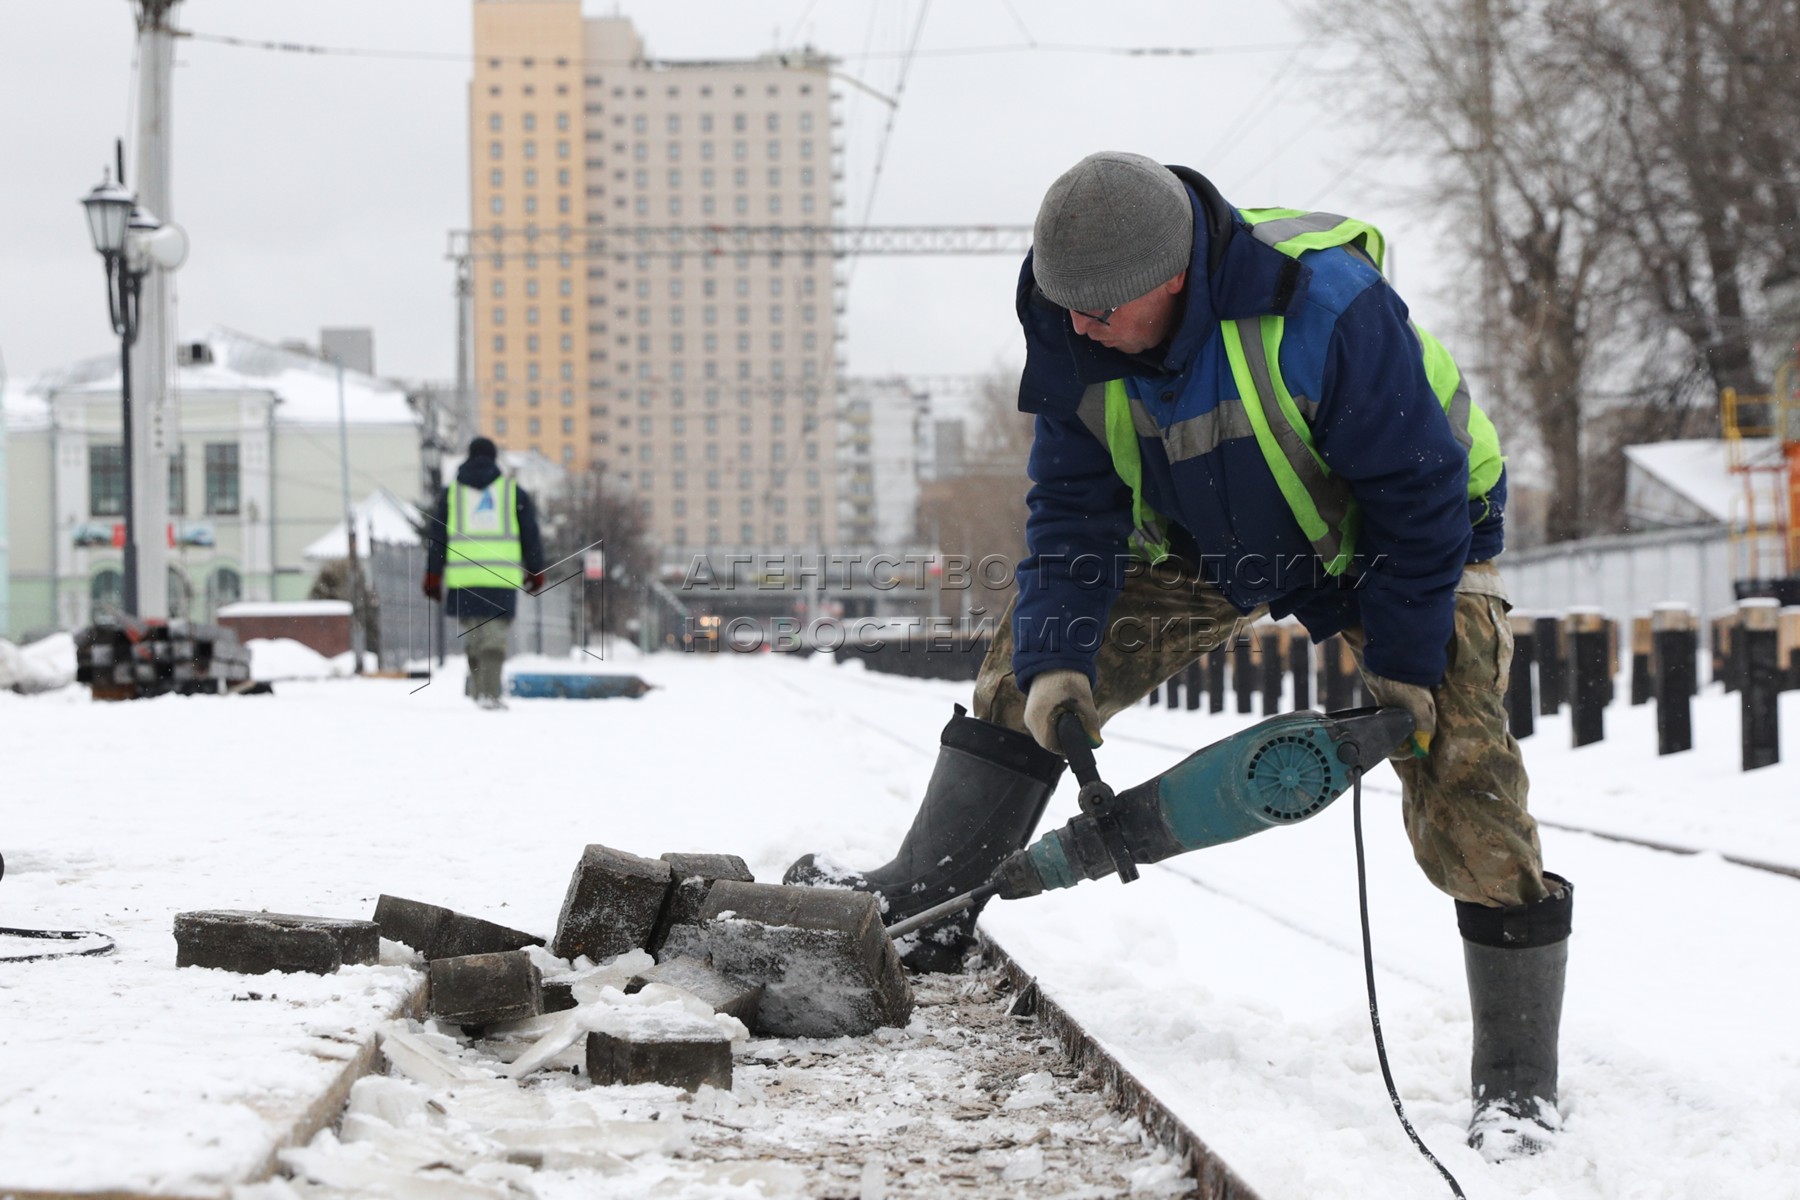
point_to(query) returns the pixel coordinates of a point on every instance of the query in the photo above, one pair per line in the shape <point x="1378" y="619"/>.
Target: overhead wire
<point x="459" y="56"/>
<point x="887" y="131"/>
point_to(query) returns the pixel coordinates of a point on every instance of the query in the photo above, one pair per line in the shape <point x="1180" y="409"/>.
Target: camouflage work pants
<point x="1464" y="805"/>
<point x="485" y="643"/>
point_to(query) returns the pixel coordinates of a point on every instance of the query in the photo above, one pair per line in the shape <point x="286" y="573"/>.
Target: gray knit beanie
<point x="1113" y="227"/>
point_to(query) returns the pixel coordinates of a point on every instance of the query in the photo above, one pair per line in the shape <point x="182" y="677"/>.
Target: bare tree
<point x="979" y="515"/>
<point x="595" y="514"/>
<point x="1520" y="154"/>
<point x="1708" y="96"/>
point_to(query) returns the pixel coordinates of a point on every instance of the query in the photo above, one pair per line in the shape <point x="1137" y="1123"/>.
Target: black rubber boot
<point x="985" y="798"/>
<point x="1515" y="959"/>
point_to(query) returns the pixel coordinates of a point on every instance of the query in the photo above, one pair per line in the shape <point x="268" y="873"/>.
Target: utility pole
<point x="356" y="587"/>
<point x="153" y="355"/>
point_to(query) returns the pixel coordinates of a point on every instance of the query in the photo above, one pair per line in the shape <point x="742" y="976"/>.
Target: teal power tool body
<point x="1278" y="772"/>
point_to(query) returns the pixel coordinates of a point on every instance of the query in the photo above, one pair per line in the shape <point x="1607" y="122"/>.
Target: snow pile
<point x="285" y="658"/>
<point x="40" y="666"/>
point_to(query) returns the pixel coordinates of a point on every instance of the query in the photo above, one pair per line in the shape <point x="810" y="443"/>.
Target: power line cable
<point x="1020" y="22"/>
<point x="457" y="56"/>
<point x="887" y="131"/>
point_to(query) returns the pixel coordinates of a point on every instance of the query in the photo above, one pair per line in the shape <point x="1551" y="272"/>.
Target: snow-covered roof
<point x="305" y="387"/>
<point x="1698" y="469"/>
<point x="25" y="410"/>
<point x="381" y="516"/>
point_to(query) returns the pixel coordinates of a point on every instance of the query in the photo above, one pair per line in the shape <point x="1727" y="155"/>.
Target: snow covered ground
<point x="1229" y="981"/>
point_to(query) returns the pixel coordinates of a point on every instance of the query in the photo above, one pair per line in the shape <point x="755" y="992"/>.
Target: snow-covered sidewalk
<point x="1229" y="981"/>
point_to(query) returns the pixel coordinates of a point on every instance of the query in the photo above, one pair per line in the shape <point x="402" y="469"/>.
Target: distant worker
<point x="1235" y="416"/>
<point x="485" y="549"/>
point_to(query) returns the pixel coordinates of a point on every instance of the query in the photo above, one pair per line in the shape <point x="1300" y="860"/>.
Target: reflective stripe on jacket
<point x="1321" y="503"/>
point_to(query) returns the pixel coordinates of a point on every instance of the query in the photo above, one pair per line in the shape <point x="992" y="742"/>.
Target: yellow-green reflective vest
<point x="1320" y="501"/>
<point x="481" y="537"/>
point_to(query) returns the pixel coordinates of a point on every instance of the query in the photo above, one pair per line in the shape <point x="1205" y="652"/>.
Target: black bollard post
<point x="1590" y="660"/>
<point x="1552" y="678"/>
<point x="1676" y="649"/>
<point x="1273" y="667"/>
<point x="1759" y="640"/>
<point x="1340" y="674"/>
<point x="1193" y="682"/>
<point x="1728" y="660"/>
<point x="1215" y="680"/>
<point x="1172" y="691"/>
<point x="1300" y="666"/>
<point x="1643" y="678"/>
<point x="1790" y="649"/>
<point x="1521" y="707"/>
<point x="1243" y="673"/>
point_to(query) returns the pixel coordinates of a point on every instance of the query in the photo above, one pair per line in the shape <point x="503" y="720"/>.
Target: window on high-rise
<point x="806" y="148"/>
<point x="530" y="121"/>
<point x="494" y="150"/>
<point x="740" y="149"/>
<point x="806" y="122"/>
<point x="530" y="149"/>
<point x="562" y="120"/>
<point x="494" y="122"/>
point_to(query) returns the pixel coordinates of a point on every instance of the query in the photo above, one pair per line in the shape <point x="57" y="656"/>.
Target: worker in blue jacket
<point x="1236" y="417"/>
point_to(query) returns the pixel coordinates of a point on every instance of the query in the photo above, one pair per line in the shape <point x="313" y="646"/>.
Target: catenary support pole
<point x="1243" y="674"/>
<point x="154" y="421"/>
<point x="1215" y="680"/>
<point x="1300" y="666"/>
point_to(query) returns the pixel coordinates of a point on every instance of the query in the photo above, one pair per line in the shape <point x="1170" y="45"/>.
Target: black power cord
<point x="54" y="935"/>
<point x="1362" y="901"/>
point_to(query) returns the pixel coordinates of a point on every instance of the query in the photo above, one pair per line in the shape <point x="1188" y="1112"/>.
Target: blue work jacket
<point x="1349" y="354"/>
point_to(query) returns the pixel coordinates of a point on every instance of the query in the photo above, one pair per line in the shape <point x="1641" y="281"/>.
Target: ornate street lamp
<point x="110" y="211"/>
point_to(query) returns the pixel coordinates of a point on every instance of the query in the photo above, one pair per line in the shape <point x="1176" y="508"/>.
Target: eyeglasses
<point x="1099" y="318"/>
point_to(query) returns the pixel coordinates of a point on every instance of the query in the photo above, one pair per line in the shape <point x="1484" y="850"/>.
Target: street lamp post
<point x="131" y="241"/>
<point x="110" y="210"/>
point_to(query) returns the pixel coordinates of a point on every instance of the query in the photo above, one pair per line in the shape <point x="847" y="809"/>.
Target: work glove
<point x="1391" y="693"/>
<point x="534" y="582"/>
<point x="1053" y="693"/>
<point x="434" y="587"/>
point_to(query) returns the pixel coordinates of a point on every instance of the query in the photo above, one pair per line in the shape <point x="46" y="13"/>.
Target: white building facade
<point x="255" y="476"/>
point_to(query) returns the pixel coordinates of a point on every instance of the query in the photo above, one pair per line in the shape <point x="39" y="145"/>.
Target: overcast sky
<point x="317" y="189"/>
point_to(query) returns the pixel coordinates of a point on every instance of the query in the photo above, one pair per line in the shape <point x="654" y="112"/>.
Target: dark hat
<point x="482" y="448"/>
<point x="1112" y="228"/>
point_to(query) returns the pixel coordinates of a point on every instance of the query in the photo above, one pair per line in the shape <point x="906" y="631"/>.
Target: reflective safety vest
<point x="481" y="537"/>
<point x="1320" y="501"/>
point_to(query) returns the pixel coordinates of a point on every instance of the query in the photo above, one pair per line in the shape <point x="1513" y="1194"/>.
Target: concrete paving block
<point x="481" y="989"/>
<point x="257" y="942"/>
<point x="828" y="967"/>
<point x="660" y="1044"/>
<point x="438" y="932"/>
<point x="612" y="905"/>
<point x="729" y="995"/>
<point x="692" y="876"/>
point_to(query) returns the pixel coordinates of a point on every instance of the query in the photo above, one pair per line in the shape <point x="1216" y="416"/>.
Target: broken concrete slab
<point x="827" y="965"/>
<point x="725" y="993"/>
<point x="480" y="989"/>
<point x="657" y="1044"/>
<point x="438" y="932"/>
<point x="559" y="995"/>
<point x="254" y="943"/>
<point x="692" y="877"/>
<point x="612" y="905"/>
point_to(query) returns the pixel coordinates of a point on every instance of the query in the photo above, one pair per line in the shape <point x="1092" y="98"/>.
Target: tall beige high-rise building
<point x="699" y="373"/>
